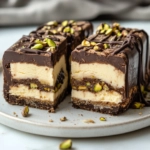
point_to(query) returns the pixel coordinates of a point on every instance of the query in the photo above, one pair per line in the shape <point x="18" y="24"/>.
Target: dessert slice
<point x="107" y="69"/>
<point x="35" y="71"/>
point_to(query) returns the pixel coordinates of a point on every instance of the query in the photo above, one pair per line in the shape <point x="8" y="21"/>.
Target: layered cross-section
<point x="106" y="69"/>
<point x="35" y="71"/>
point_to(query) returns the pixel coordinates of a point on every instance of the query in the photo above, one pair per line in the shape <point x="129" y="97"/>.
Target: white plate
<point x="38" y="120"/>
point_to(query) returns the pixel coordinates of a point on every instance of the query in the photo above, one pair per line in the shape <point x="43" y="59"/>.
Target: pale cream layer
<point x="102" y="96"/>
<point x="105" y="72"/>
<point x="24" y="91"/>
<point x="44" y="74"/>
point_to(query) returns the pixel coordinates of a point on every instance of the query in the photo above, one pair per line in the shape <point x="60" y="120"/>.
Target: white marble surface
<point x="11" y="139"/>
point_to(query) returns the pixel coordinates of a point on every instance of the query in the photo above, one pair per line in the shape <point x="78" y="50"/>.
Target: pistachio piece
<point x="105" y="46"/>
<point x="88" y="83"/>
<point x="102" y="119"/>
<point x="142" y="88"/>
<point x="124" y="33"/>
<point x="38" y="41"/>
<point x="106" y="26"/>
<point x="67" y="30"/>
<point x="93" y="43"/>
<point x="65" y="23"/>
<point x="102" y="31"/>
<point x="96" y="47"/>
<point x="47" y="89"/>
<point x="109" y="31"/>
<point x="85" y="43"/>
<point x="25" y="111"/>
<point x="97" y="87"/>
<point x="71" y="21"/>
<point x="100" y="27"/>
<point x="66" y="145"/>
<point x="105" y="87"/>
<point x="60" y="29"/>
<point x="51" y="43"/>
<point x="138" y="105"/>
<point x="37" y="46"/>
<point x="82" y="88"/>
<point x="54" y="31"/>
<point x="63" y="119"/>
<point x="116" y="24"/>
<point x="33" y="86"/>
<point x="52" y="49"/>
<point x="118" y="33"/>
<point x="52" y="23"/>
<point x="72" y="31"/>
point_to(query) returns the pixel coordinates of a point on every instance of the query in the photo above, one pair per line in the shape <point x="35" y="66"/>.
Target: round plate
<point x="38" y="121"/>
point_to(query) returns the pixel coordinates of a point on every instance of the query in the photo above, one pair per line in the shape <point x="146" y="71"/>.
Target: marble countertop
<point x="17" y="140"/>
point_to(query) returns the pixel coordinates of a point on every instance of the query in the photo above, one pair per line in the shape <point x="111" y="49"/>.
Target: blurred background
<point x="34" y="12"/>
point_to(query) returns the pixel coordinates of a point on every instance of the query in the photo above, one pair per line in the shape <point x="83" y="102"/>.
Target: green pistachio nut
<point x="100" y="27"/>
<point x="66" y="145"/>
<point x="97" y="87"/>
<point x="65" y="23"/>
<point x="105" y="87"/>
<point x="72" y="31"/>
<point x="47" y="89"/>
<point x="102" y="31"/>
<point x="109" y="31"/>
<point x="67" y="30"/>
<point x="60" y="29"/>
<point x="37" y="46"/>
<point x="105" y="46"/>
<point x="88" y="83"/>
<point x="96" y="48"/>
<point x="51" y="43"/>
<point x="52" y="23"/>
<point x="33" y="86"/>
<point x="124" y="32"/>
<point x="71" y="21"/>
<point x="25" y="111"/>
<point x="106" y="27"/>
<point x="138" y="105"/>
<point x="92" y="43"/>
<point x="85" y="43"/>
<point x="82" y="88"/>
<point x="102" y="119"/>
<point x="54" y="31"/>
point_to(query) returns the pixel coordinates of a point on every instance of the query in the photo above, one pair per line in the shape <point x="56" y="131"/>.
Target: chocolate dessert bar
<point x="35" y="71"/>
<point x="108" y="68"/>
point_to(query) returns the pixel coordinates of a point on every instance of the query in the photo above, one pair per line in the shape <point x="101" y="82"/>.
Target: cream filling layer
<point x="24" y="91"/>
<point x="102" y="96"/>
<point x="44" y="74"/>
<point x="105" y="72"/>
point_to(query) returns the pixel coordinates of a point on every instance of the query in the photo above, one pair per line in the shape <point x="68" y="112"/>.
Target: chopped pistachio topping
<point x="109" y="31"/>
<point x="102" y="119"/>
<point x="97" y="87"/>
<point x="82" y="87"/>
<point x="106" y="26"/>
<point x="25" y="111"/>
<point x="138" y="105"/>
<point x="116" y="24"/>
<point x="54" y="31"/>
<point x="72" y="31"/>
<point x="100" y="27"/>
<point x="71" y="21"/>
<point x="60" y="29"/>
<point x="65" y="23"/>
<point x="67" y="29"/>
<point x="124" y="33"/>
<point x="33" y="86"/>
<point x="50" y="43"/>
<point x="63" y="119"/>
<point x="105" y="87"/>
<point x="88" y="84"/>
<point x="102" y="31"/>
<point x="38" y="41"/>
<point x="93" y="43"/>
<point x="85" y="43"/>
<point x="96" y="47"/>
<point x="66" y="145"/>
<point x="52" y="23"/>
<point x="105" y="46"/>
<point x="37" y="46"/>
<point x="47" y="89"/>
